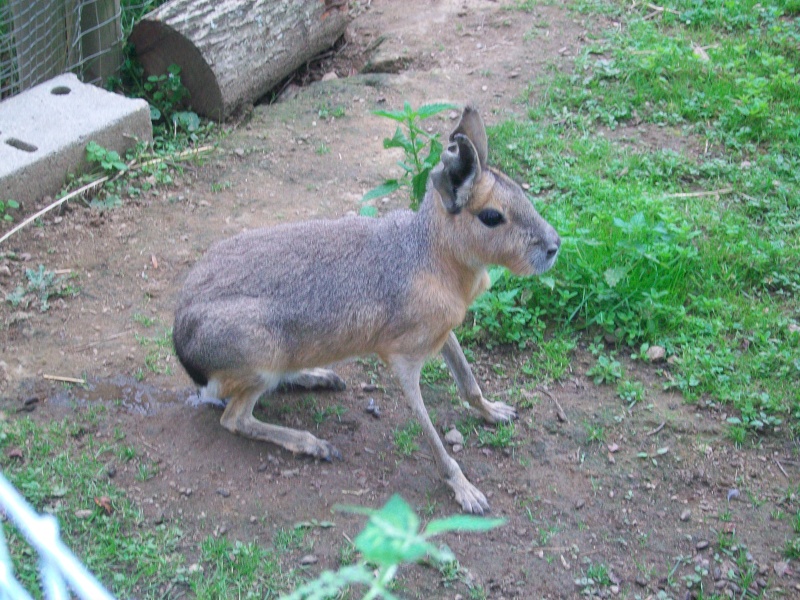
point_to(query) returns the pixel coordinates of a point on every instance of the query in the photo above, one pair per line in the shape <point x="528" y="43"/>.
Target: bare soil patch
<point x="652" y="511"/>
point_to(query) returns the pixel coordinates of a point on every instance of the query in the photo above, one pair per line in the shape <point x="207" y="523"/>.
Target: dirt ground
<point x="569" y="502"/>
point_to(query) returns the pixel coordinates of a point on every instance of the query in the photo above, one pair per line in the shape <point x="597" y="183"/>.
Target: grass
<point x="62" y="471"/>
<point x="696" y="251"/>
<point x="57" y="477"/>
<point x="405" y="438"/>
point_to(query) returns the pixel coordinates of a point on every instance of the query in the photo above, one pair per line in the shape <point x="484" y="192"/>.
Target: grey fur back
<point x="297" y="280"/>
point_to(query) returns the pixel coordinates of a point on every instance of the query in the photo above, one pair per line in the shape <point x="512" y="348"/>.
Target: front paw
<point x="468" y="496"/>
<point x="498" y="412"/>
<point x="318" y="448"/>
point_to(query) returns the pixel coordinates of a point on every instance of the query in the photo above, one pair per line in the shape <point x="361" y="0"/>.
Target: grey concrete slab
<point x="44" y="132"/>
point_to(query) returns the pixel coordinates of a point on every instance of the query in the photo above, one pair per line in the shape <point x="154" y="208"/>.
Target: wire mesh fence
<point x="40" y="39"/>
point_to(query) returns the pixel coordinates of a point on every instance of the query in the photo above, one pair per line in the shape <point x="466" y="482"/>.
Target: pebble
<point x="686" y="515"/>
<point x="702" y="545"/>
<point x="454" y="437"/>
<point x="373" y="408"/>
<point x="309" y="559"/>
<point x="223" y="492"/>
<point x="580" y="504"/>
<point x="330" y="76"/>
<point x="655" y="354"/>
<point x="457" y="448"/>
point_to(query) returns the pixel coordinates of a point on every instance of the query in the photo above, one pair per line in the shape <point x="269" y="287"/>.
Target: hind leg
<point x="238" y="418"/>
<point x="314" y="379"/>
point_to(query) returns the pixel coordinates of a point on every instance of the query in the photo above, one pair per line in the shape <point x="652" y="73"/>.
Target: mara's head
<point x="493" y="221"/>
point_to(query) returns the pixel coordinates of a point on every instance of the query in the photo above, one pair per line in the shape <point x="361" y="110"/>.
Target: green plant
<point x="41" y="286"/>
<point x="413" y="140"/>
<point x="5" y="207"/>
<point x="630" y="391"/>
<point x="594" y="433"/>
<point x="607" y="370"/>
<point x="405" y="439"/>
<point x="391" y="537"/>
<point x="499" y="436"/>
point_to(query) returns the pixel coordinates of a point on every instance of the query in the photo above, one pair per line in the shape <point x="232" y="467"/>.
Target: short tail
<point x="196" y="373"/>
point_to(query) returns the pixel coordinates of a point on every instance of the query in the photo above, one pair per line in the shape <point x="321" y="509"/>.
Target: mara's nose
<point x="552" y="249"/>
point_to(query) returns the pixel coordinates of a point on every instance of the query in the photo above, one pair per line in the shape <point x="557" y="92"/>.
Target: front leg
<point x="492" y="412"/>
<point x="471" y="498"/>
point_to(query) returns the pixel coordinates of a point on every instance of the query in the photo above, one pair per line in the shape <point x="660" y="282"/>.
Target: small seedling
<point x="5" y="206"/>
<point x="414" y="141"/>
<point x="391" y="537"/>
<point x="630" y="391"/>
<point x="607" y="370"/>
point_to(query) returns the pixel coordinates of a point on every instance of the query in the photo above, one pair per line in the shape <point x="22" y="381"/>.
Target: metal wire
<point x="59" y="567"/>
<point x="40" y="39"/>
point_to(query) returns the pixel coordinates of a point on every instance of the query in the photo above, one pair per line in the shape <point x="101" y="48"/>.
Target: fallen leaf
<point x="84" y="513"/>
<point x="104" y="502"/>
<point x="701" y="53"/>
<point x="613" y="448"/>
<point x="154" y="260"/>
<point x="14" y="453"/>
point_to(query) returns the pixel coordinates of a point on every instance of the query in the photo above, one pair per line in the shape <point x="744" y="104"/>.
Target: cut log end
<point x="232" y="52"/>
<point x="158" y="46"/>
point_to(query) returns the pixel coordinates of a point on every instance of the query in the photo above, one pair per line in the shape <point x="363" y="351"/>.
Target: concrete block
<point x="44" y="132"/>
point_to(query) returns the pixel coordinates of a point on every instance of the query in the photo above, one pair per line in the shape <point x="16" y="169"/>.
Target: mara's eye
<point x="491" y="217"/>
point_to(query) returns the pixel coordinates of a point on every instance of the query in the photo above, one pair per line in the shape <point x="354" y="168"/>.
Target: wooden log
<point x="232" y="52"/>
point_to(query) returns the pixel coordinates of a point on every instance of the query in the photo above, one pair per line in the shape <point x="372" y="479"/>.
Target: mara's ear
<point x="454" y="177"/>
<point x="471" y="125"/>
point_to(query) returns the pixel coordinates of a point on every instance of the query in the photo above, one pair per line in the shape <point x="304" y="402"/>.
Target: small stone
<point x="239" y="152"/>
<point x="330" y="76"/>
<point x="686" y="515"/>
<point x="613" y="448"/>
<point x="614" y="589"/>
<point x="641" y="581"/>
<point x="373" y="408"/>
<point x="223" y="492"/>
<point x="84" y="513"/>
<point x="484" y="87"/>
<point x="368" y="387"/>
<point x="580" y="504"/>
<point x="781" y="568"/>
<point x="309" y="559"/>
<point x="761" y="582"/>
<point x="457" y="448"/>
<point x="194" y="568"/>
<point x="454" y="437"/>
<point x="702" y="545"/>
<point x="656" y="354"/>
